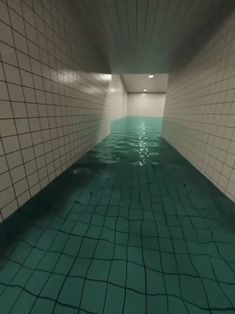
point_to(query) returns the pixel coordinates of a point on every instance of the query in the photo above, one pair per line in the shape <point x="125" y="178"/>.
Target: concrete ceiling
<point x="142" y="36"/>
<point x="139" y="83"/>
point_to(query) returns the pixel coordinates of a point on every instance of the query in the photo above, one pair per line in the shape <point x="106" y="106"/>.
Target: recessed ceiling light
<point x="151" y="76"/>
<point x="145" y="90"/>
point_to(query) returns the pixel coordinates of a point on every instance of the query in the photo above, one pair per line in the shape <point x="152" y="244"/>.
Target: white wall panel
<point x="117" y="98"/>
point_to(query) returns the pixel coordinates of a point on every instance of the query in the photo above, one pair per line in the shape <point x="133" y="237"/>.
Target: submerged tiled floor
<point x="132" y="228"/>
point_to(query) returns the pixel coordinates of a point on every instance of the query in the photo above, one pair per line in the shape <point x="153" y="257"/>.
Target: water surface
<point x="131" y="228"/>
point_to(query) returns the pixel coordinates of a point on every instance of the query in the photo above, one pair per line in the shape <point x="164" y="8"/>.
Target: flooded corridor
<point x="131" y="228"/>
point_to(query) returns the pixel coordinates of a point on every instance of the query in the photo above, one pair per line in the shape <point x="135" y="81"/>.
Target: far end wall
<point x="146" y="104"/>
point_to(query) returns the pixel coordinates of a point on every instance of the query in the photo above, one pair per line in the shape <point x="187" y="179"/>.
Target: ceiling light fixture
<point x="151" y="76"/>
<point x="145" y="90"/>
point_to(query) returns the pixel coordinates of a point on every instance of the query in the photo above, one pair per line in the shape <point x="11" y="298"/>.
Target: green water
<point x="131" y="228"/>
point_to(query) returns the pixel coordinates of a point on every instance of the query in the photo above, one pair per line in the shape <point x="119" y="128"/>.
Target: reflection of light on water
<point x="143" y="149"/>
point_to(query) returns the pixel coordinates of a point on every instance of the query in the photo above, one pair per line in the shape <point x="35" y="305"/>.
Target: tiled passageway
<point x="131" y="228"/>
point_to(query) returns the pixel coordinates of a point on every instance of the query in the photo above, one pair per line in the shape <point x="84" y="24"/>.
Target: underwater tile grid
<point x="131" y="228"/>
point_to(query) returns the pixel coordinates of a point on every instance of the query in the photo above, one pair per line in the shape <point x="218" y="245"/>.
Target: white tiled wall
<point x="145" y="104"/>
<point x="51" y="112"/>
<point x="199" y="116"/>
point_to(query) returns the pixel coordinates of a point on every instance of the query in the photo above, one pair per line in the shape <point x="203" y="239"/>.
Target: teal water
<point x="131" y="228"/>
